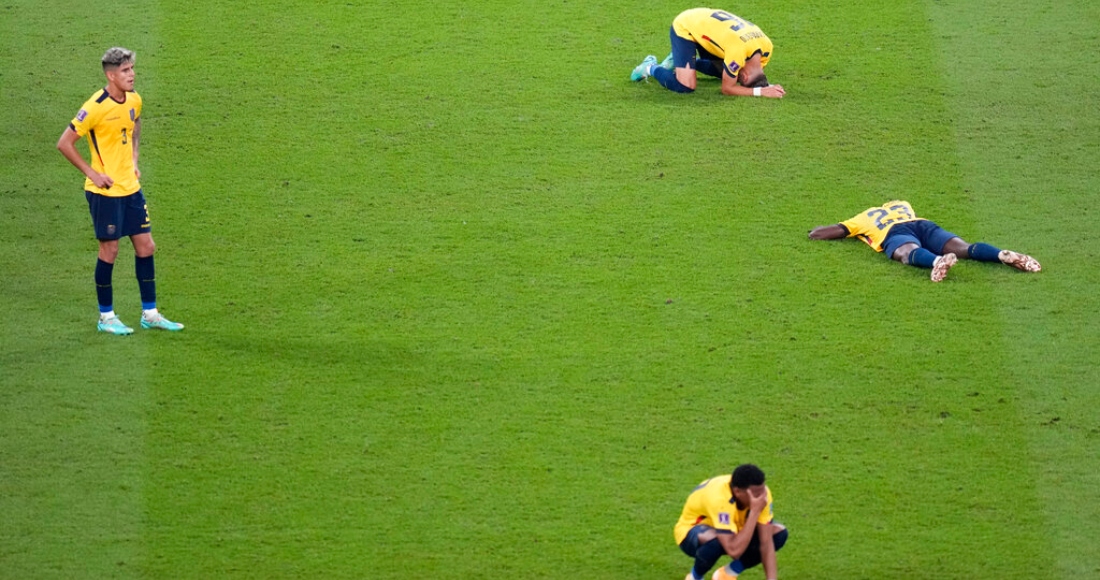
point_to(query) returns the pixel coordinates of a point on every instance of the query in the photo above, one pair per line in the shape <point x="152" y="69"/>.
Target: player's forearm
<point x="735" y="547"/>
<point x="69" y="151"/>
<point x="830" y="232"/>
<point x="767" y="559"/>
<point x="137" y="140"/>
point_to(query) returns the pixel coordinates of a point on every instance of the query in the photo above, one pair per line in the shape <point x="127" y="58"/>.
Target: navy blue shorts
<point x="924" y="233"/>
<point x="118" y="217"/>
<point x="684" y="51"/>
<point x="750" y="558"/>
<point x="690" y="545"/>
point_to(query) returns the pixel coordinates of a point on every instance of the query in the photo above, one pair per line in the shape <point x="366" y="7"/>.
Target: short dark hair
<point x="761" y="81"/>
<point x="746" y="476"/>
<point x="116" y="56"/>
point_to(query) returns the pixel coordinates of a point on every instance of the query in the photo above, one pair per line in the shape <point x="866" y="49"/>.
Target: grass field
<point x="462" y="301"/>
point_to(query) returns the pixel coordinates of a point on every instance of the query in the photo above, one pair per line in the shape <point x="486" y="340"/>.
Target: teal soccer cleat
<point x="642" y="71"/>
<point x="159" y="321"/>
<point x="667" y="62"/>
<point x="113" y="325"/>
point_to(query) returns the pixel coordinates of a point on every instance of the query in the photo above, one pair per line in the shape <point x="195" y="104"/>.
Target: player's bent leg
<point x="1022" y="262"/>
<point x="959" y="247"/>
<point x="671" y="80"/>
<point x="702" y="544"/>
<point x="901" y="254"/>
<point x="941" y="265"/>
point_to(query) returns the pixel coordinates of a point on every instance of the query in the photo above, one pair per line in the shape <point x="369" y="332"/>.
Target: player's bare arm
<point x="136" y="137"/>
<point x="766" y="534"/>
<point x="66" y="144"/>
<point x="686" y="76"/>
<point x="831" y="232"/>
<point x="735" y="544"/>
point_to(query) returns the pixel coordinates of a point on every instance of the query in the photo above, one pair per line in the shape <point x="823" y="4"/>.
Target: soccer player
<point x="895" y="229"/>
<point x="728" y="47"/>
<point x="730" y="515"/>
<point x="111" y="119"/>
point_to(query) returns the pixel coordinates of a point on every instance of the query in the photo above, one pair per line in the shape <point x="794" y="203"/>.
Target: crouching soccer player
<point x="895" y="229"/>
<point x="111" y="119"/>
<point x="730" y="515"/>
<point x="728" y="47"/>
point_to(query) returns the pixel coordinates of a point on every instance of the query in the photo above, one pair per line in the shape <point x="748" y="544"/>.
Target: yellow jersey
<point x="724" y="35"/>
<point x="109" y="126"/>
<point x="873" y="224"/>
<point x="712" y="503"/>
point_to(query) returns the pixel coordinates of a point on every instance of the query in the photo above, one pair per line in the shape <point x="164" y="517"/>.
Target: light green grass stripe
<point x="1023" y="77"/>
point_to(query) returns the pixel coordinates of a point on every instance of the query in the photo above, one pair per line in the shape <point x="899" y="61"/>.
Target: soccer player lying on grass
<point x="895" y="229"/>
<point x="730" y="515"/>
<point x="728" y="47"/>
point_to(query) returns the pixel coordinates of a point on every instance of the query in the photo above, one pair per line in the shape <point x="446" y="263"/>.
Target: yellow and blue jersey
<point x="873" y="224"/>
<point x="712" y="503"/>
<point x="109" y="127"/>
<point x="724" y="35"/>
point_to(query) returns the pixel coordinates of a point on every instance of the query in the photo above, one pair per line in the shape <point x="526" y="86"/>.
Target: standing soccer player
<point x="111" y="119"/>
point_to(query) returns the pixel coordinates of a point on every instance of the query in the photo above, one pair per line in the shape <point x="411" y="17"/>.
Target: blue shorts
<point x="690" y="545"/>
<point x="118" y="217"/>
<point x="684" y="51"/>
<point x="924" y="233"/>
<point x="750" y="558"/>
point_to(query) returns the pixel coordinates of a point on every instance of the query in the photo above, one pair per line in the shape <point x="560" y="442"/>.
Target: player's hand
<point x="758" y="502"/>
<point x="102" y="180"/>
<point x="773" y="92"/>
<point x="137" y="172"/>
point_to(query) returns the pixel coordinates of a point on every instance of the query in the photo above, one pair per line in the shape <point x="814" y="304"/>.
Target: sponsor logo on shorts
<point x="111" y="229"/>
<point x="81" y="115"/>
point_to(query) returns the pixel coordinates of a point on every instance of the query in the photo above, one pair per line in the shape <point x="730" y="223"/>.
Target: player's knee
<point x="902" y="254"/>
<point x="144" y="246"/>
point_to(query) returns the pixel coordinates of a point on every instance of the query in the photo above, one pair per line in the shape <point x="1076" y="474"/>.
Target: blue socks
<point x="103" y="291"/>
<point x="983" y="252"/>
<point x="147" y="284"/>
<point x="922" y="258"/>
<point x="667" y="78"/>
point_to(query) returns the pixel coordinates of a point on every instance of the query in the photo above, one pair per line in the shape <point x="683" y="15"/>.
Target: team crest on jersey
<point x="724" y="518"/>
<point x="82" y="115"/>
<point x="131" y="114"/>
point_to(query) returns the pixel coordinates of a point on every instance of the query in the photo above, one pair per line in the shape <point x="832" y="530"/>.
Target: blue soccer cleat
<point x="642" y="71"/>
<point x="113" y="325"/>
<point x="667" y="62"/>
<point x="159" y="321"/>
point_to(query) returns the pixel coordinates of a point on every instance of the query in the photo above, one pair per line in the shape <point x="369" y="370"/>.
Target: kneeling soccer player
<point x="730" y="515"/>
<point x="718" y="44"/>
<point x="895" y="229"/>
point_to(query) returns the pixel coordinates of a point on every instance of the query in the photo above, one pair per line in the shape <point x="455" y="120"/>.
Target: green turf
<point x="462" y="300"/>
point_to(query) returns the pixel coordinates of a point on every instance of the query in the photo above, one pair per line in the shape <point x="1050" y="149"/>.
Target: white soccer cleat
<point x="1022" y="262"/>
<point x="942" y="265"/>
